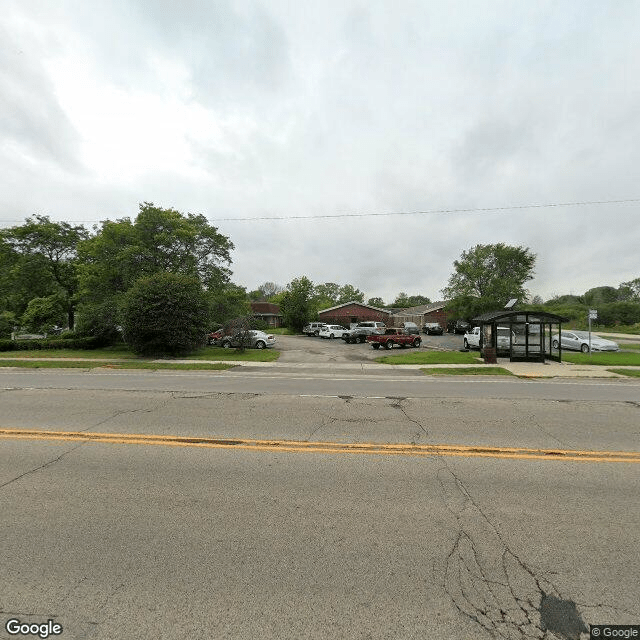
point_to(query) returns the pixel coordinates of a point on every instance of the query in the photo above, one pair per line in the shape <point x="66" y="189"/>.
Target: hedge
<point x="46" y="343"/>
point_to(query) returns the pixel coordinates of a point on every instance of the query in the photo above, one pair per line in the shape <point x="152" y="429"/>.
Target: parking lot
<point x="310" y="349"/>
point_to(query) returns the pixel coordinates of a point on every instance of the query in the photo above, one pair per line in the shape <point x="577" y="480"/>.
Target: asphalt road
<point x="182" y="541"/>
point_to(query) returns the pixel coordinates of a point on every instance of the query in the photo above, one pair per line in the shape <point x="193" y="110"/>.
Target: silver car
<point x="254" y="339"/>
<point x="579" y="341"/>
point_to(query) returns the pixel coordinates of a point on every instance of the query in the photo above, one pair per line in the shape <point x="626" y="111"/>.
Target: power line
<point x="429" y="211"/>
<point x="395" y="213"/>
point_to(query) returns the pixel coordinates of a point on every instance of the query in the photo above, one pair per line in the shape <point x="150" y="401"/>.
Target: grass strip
<point x="105" y="352"/>
<point x="432" y="357"/>
<point x="88" y="364"/>
<point x="231" y="355"/>
<point x="606" y="359"/>
<point x="633" y="373"/>
<point x="468" y="371"/>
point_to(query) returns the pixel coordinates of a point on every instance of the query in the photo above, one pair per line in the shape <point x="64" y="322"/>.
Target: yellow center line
<point x="301" y="446"/>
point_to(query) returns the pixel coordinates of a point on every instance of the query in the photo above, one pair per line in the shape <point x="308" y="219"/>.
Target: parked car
<point x="254" y="339"/>
<point x="458" y="326"/>
<point x="360" y="332"/>
<point x="579" y="341"/>
<point x="313" y="328"/>
<point x="215" y="337"/>
<point x="410" y="327"/>
<point x="432" y="329"/>
<point x="392" y="336"/>
<point x="333" y="331"/>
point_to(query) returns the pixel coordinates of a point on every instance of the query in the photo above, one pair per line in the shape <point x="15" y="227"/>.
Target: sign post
<point x="593" y="315"/>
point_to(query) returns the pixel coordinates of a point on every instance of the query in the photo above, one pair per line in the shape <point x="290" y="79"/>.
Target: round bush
<point x="165" y="314"/>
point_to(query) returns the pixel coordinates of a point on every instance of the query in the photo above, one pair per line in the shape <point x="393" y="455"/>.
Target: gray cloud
<point x="350" y="107"/>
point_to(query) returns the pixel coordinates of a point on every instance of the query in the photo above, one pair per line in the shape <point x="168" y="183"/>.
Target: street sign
<point x="593" y="314"/>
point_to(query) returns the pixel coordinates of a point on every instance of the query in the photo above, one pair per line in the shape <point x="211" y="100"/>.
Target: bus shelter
<point x="525" y="336"/>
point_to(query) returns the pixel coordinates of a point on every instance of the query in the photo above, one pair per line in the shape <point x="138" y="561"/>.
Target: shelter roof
<point x="510" y="314"/>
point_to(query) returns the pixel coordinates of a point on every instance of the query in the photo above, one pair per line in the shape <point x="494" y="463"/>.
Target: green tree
<point x="376" y="302"/>
<point x="405" y="301"/>
<point x="349" y="293"/>
<point x="166" y="313"/>
<point x="601" y="295"/>
<point x="630" y="290"/>
<point x="159" y="240"/>
<point x="41" y="260"/>
<point x="8" y="322"/>
<point x="487" y="276"/>
<point x="296" y="303"/>
<point x="42" y="314"/>
<point x="228" y="302"/>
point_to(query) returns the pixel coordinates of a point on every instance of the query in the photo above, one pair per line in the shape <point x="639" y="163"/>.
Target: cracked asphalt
<point x="131" y="541"/>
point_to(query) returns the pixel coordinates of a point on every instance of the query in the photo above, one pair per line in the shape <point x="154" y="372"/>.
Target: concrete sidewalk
<point x="547" y="369"/>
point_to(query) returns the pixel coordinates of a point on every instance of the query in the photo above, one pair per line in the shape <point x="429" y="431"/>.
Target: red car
<point x="215" y="337"/>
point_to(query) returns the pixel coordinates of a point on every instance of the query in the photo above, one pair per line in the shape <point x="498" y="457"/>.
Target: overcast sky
<point x="265" y="109"/>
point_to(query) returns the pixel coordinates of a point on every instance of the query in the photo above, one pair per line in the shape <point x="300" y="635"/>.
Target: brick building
<point x="433" y="312"/>
<point x="353" y="312"/>
<point x="268" y="312"/>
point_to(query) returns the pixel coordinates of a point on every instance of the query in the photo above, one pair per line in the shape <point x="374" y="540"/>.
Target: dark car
<point x="458" y="326"/>
<point x="432" y="329"/>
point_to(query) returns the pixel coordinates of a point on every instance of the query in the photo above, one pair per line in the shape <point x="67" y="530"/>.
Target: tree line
<point x="154" y="275"/>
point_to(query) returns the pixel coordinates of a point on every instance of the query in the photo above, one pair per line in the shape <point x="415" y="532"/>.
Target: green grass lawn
<point x="629" y="345"/>
<point x="634" y="373"/>
<point x="606" y="359"/>
<point x="118" y="351"/>
<point x="431" y="357"/>
<point x="283" y="331"/>
<point x="135" y="364"/>
<point x="122" y="352"/>
<point x="468" y="371"/>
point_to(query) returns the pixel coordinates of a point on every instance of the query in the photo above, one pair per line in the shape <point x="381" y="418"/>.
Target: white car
<point x="579" y="341"/>
<point x="333" y="331"/>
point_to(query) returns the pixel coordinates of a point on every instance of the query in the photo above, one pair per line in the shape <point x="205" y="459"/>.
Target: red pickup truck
<point x="394" y="336"/>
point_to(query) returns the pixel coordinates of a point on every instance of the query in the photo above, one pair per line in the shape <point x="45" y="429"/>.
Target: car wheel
<point x="375" y="346"/>
<point x="417" y="342"/>
<point x="362" y="339"/>
<point x="584" y="348"/>
<point x="226" y="345"/>
<point x="466" y="344"/>
<point x="554" y="344"/>
<point x="331" y="336"/>
<point x="388" y="344"/>
<point x="316" y="333"/>
<point x="260" y="345"/>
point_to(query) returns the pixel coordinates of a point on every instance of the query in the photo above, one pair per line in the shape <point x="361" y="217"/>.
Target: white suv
<point x="313" y="328"/>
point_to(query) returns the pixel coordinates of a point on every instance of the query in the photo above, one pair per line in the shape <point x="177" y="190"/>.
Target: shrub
<point x="165" y="314"/>
<point x="100" y="321"/>
<point x="48" y="343"/>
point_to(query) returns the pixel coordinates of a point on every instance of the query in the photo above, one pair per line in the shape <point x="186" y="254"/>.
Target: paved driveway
<point x="307" y="349"/>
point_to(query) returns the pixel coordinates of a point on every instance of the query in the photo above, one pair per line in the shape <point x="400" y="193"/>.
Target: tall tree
<point x="630" y="290"/>
<point x="487" y="276"/>
<point x="296" y="303"/>
<point x="349" y="293"/>
<point x="376" y="302"/>
<point x="404" y="301"/>
<point x="157" y="241"/>
<point x="45" y="261"/>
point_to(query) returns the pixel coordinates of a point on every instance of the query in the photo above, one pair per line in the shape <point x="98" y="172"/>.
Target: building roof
<point x="422" y="308"/>
<point x="360" y="304"/>
<point x="265" y="308"/>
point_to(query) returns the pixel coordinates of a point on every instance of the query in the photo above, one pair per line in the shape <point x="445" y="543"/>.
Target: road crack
<point x="42" y="466"/>
<point x="490" y="584"/>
